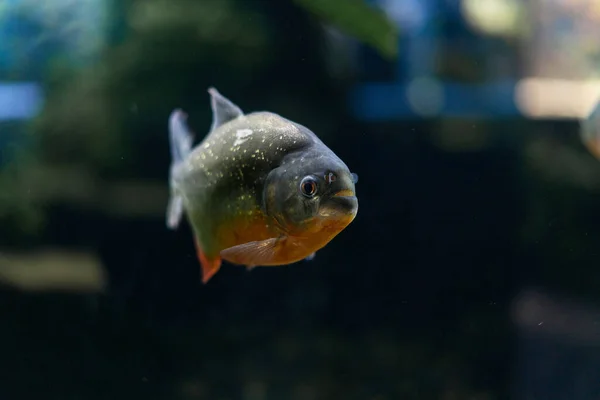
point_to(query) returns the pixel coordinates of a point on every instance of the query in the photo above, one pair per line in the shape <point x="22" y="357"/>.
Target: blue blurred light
<point x="19" y="101"/>
<point x="424" y="27"/>
<point x="390" y="101"/>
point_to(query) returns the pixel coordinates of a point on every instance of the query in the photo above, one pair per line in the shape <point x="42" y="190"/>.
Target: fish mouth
<point x="343" y="204"/>
<point x="345" y="193"/>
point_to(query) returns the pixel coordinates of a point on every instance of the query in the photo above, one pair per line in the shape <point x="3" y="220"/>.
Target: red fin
<point x="209" y="266"/>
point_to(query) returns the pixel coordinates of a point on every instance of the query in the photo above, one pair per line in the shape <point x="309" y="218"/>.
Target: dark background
<point x="465" y="221"/>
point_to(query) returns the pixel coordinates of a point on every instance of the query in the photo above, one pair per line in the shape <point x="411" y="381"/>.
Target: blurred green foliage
<point x="89" y="114"/>
<point x="20" y="212"/>
<point x="359" y="19"/>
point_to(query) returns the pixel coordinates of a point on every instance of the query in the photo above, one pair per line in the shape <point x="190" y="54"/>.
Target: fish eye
<point x="308" y="186"/>
<point x="354" y="178"/>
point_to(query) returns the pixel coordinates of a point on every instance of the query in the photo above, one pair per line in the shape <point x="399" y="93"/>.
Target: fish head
<point x="311" y="192"/>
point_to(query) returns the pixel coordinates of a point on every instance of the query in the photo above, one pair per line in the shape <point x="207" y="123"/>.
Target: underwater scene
<point x="300" y="199"/>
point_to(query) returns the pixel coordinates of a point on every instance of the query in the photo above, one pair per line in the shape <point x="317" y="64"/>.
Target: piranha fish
<point x="590" y="131"/>
<point x="259" y="190"/>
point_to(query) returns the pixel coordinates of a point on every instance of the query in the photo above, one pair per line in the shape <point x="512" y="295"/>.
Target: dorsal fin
<point x="223" y="109"/>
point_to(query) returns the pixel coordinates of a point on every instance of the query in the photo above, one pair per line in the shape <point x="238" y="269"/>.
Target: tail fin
<point x="181" y="139"/>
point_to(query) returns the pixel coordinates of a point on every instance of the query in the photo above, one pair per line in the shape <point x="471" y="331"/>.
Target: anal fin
<point x="209" y="266"/>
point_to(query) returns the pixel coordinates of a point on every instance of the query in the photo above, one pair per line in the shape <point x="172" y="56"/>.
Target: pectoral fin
<point x="253" y="254"/>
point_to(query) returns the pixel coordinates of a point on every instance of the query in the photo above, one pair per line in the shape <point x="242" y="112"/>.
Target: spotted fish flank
<point x="241" y="136"/>
<point x="259" y="190"/>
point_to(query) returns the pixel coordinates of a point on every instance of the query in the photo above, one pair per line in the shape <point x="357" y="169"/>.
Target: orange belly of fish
<point x="243" y="231"/>
<point x="295" y="246"/>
